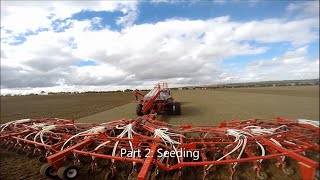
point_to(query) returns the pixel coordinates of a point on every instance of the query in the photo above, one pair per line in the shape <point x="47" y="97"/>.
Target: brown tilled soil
<point x="198" y="107"/>
<point x="13" y="166"/>
<point x="69" y="106"/>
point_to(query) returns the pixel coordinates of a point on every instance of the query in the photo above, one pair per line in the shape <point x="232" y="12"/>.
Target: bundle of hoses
<point x="241" y="138"/>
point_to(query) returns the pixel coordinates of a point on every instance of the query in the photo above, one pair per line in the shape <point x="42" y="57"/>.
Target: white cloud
<point x="277" y="30"/>
<point x="180" y="51"/>
<point x="308" y="8"/>
<point x="251" y="3"/>
<point x="293" y="64"/>
<point x="24" y="16"/>
<point x="128" y="19"/>
<point x="95" y="75"/>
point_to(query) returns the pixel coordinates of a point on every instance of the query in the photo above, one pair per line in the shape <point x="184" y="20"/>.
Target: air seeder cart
<point x="159" y="100"/>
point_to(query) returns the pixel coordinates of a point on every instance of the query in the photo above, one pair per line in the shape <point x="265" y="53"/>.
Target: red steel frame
<point x="144" y="137"/>
<point x="152" y="105"/>
<point x="54" y="141"/>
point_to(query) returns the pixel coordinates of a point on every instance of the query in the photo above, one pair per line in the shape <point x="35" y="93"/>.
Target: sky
<point x="110" y="45"/>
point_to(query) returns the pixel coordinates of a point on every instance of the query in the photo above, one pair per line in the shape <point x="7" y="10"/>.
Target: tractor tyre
<point x="139" y="109"/>
<point x="174" y="108"/>
<point x="68" y="172"/>
<point x="169" y="109"/>
<point x="177" y="108"/>
<point x="47" y="171"/>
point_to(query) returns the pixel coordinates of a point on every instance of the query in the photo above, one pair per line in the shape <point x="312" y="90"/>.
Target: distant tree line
<point x="74" y="92"/>
<point x="306" y="82"/>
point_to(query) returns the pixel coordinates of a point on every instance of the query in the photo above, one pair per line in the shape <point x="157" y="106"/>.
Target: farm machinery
<point x="158" y="100"/>
<point x="145" y="148"/>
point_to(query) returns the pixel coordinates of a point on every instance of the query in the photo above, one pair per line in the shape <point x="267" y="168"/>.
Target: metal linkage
<point x="148" y="147"/>
<point x="38" y="136"/>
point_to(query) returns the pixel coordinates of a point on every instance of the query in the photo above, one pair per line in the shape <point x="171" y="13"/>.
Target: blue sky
<point x="125" y="44"/>
<point x="242" y="10"/>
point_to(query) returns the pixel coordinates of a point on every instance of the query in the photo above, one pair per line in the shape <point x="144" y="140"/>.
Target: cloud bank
<point x="180" y="51"/>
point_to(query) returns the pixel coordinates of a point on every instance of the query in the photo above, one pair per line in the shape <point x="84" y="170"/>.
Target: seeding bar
<point x="230" y="143"/>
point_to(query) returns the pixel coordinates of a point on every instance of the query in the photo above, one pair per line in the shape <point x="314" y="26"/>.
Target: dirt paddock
<point x="198" y="107"/>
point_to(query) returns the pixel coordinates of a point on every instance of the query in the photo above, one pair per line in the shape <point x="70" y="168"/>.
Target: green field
<point x="214" y="106"/>
<point x="198" y="106"/>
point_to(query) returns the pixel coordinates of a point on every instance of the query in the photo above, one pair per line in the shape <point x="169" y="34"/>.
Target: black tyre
<point x="139" y="109"/>
<point x="174" y="108"/>
<point x="177" y="108"/>
<point x="68" y="172"/>
<point x="48" y="171"/>
<point x="169" y="109"/>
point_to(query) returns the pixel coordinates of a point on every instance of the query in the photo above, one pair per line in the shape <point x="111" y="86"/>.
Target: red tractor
<point x="158" y="100"/>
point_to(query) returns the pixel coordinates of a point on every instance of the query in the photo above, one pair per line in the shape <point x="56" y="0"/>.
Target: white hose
<point x="45" y="129"/>
<point x="126" y="130"/>
<point x="263" y="151"/>
<point x="257" y="130"/>
<point x="289" y="142"/>
<point x="29" y="135"/>
<point x="164" y="134"/>
<point x="277" y="143"/>
<point x="3" y="126"/>
<point x="309" y="122"/>
<point x="97" y="129"/>
<point x="243" y="147"/>
<point x="102" y="144"/>
<point x="35" y="125"/>
<point x="241" y="138"/>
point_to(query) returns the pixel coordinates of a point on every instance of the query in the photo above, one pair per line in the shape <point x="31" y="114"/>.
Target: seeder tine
<point x="134" y="145"/>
